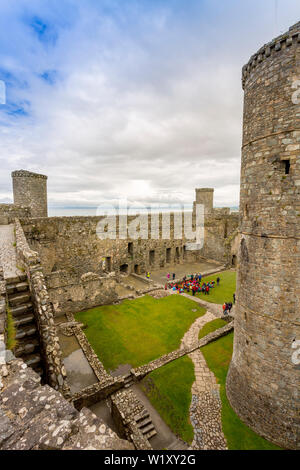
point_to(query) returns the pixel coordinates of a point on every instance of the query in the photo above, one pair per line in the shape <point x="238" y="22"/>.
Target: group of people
<point x="227" y="307"/>
<point x="192" y="285"/>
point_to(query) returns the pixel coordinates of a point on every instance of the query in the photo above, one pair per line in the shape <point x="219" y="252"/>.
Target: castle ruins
<point x="56" y="266"/>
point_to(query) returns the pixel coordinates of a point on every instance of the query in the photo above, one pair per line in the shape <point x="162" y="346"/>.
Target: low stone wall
<point x="2" y="316"/>
<point x="8" y="213"/>
<point x="50" y="348"/>
<point x="35" y="417"/>
<point x="97" y="392"/>
<point x="89" y="353"/>
<point x="125" y="406"/>
<point x="141" y="372"/>
<point x="70" y="292"/>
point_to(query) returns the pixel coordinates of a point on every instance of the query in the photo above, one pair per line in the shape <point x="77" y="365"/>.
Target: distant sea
<point x="93" y="211"/>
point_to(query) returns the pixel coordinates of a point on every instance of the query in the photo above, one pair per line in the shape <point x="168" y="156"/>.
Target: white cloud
<point x="147" y="99"/>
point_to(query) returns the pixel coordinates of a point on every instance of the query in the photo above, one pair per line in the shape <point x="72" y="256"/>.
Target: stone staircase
<point x="19" y="301"/>
<point x="128" y="380"/>
<point x="145" y="425"/>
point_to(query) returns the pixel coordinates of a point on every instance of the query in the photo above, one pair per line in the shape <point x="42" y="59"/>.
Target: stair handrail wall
<point x="3" y="316"/>
<point x="55" y="372"/>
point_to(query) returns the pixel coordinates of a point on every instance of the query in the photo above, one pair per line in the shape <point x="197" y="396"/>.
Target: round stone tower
<point x="263" y="382"/>
<point x="30" y="190"/>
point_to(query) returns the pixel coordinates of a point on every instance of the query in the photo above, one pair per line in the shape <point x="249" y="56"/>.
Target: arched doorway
<point x="124" y="268"/>
<point x="137" y="269"/>
<point x="234" y="260"/>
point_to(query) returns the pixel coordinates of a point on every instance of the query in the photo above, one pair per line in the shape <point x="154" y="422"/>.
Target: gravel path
<point x="205" y="410"/>
<point x="8" y="256"/>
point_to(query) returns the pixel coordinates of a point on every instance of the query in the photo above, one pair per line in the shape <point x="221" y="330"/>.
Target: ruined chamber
<point x="264" y="378"/>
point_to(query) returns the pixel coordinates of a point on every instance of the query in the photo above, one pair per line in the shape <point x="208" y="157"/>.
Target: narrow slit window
<point x="287" y="166"/>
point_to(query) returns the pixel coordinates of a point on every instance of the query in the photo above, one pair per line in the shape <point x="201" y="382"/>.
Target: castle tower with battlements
<point x="263" y="384"/>
<point x="30" y="190"/>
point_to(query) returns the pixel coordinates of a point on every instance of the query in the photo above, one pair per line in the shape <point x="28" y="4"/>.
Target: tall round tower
<point x="30" y="190"/>
<point x="263" y="382"/>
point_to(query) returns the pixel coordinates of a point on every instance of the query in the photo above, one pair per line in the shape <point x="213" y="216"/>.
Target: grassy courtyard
<point x="137" y="331"/>
<point x="222" y="293"/>
<point x="211" y="327"/>
<point x="239" y="437"/>
<point x="169" y="390"/>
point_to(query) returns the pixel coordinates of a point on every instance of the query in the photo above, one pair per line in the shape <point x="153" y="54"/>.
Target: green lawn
<point x="137" y="331"/>
<point x="222" y="293"/>
<point x="238" y="435"/>
<point x="169" y="390"/>
<point x="212" y="326"/>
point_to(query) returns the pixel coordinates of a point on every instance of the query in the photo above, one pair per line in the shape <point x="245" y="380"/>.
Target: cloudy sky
<point x="129" y="98"/>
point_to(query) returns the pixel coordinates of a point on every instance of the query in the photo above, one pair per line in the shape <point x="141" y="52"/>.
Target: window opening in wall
<point x="130" y="248"/>
<point x="151" y="257"/>
<point x="226" y="229"/>
<point x="108" y="264"/>
<point x="168" y="255"/>
<point x="287" y="166"/>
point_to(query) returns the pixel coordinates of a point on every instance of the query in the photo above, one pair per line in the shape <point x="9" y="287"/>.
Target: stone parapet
<point x="2" y="315"/>
<point x="278" y="44"/>
<point x="43" y="310"/>
<point x="8" y="213"/>
<point x="35" y="417"/>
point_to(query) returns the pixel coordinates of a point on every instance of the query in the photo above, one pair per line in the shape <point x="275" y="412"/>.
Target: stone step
<point x="26" y="346"/>
<point x="26" y="331"/>
<point x="127" y="381"/>
<point x="24" y="320"/>
<point x="17" y="287"/>
<point x="16" y="279"/>
<point x="148" y="428"/>
<point x="19" y="299"/>
<point x="144" y="422"/>
<point x="21" y="309"/>
<point x="150" y="434"/>
<point x="144" y="414"/>
<point x="32" y="360"/>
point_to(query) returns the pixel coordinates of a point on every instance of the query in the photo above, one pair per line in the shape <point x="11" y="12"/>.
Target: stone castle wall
<point x="44" y="315"/>
<point x="3" y="316"/>
<point x="8" y="213"/>
<point x="70" y="293"/>
<point x="263" y="383"/>
<point x="220" y="229"/>
<point x="30" y="190"/>
<point x="72" y="244"/>
<point x="220" y="232"/>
